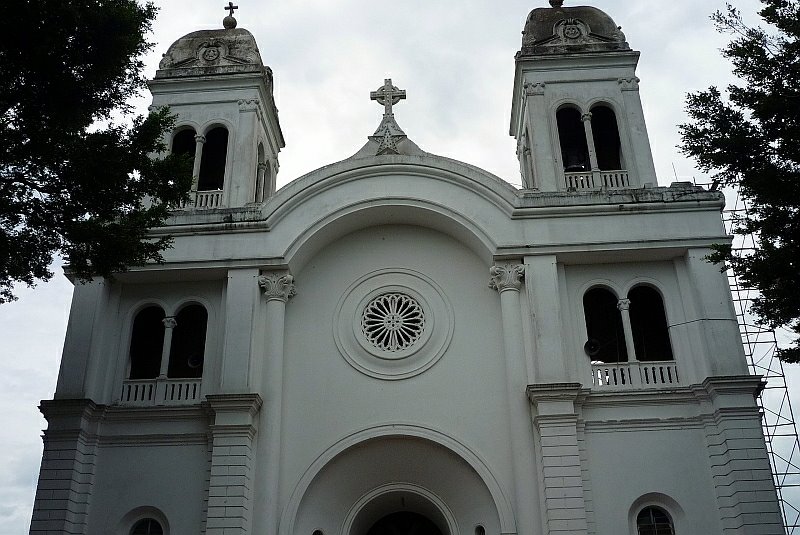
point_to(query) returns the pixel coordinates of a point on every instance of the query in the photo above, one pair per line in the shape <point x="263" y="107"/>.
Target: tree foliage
<point x="71" y="181"/>
<point x="750" y="136"/>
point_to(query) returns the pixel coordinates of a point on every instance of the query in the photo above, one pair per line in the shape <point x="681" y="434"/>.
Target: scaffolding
<point x="760" y="345"/>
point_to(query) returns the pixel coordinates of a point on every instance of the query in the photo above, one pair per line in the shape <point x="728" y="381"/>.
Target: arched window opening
<point x="147" y="526"/>
<point x="147" y="342"/>
<point x="187" y="350"/>
<point x="572" y="136"/>
<point x="480" y="530"/>
<point x="183" y="142"/>
<point x="605" y="134"/>
<point x="212" y="162"/>
<point x="317" y="532"/>
<point x="654" y="521"/>
<point x="262" y="175"/>
<point x="606" y="336"/>
<point x="649" y="325"/>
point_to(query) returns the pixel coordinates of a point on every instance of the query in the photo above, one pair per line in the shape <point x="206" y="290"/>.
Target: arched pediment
<point x="462" y="201"/>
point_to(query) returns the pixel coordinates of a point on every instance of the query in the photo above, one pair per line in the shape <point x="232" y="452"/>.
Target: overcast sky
<point x="455" y="58"/>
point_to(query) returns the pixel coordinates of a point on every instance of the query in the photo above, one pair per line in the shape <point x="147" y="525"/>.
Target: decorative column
<point x="261" y="182"/>
<point x="624" y="307"/>
<point x="586" y="119"/>
<point x="66" y="477"/>
<point x="230" y="488"/>
<point x="199" y="141"/>
<point x="507" y="280"/>
<point x="169" y="326"/>
<point x="556" y="420"/>
<point x="278" y="288"/>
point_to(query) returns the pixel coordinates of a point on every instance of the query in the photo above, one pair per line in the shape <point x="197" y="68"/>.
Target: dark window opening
<point x="404" y="523"/>
<point x="147" y="342"/>
<point x="606" y="336"/>
<point x="649" y="325"/>
<point x="606" y="139"/>
<point x="480" y="530"/>
<point x="183" y="142"/>
<point x="572" y="136"/>
<point x="212" y="163"/>
<point x="147" y="526"/>
<point x="187" y="351"/>
<point x="654" y="521"/>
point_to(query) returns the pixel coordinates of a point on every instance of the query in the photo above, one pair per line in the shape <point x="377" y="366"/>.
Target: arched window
<point x="187" y="350"/>
<point x="649" y="325"/>
<point x="147" y="342"/>
<point x="604" y="328"/>
<point x="147" y="526"/>
<point x="212" y="162"/>
<point x="183" y="142"/>
<point x="605" y="134"/>
<point x="572" y="137"/>
<point x="654" y="521"/>
<point x="262" y="176"/>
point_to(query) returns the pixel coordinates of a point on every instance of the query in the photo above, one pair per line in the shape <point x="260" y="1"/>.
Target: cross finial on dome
<point x="229" y="22"/>
<point x="387" y="95"/>
<point x="556" y="3"/>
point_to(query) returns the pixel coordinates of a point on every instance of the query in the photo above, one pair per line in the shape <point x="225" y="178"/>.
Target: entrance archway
<point x="404" y="523"/>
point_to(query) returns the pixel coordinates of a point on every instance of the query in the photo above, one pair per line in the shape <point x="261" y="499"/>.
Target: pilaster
<point x="541" y="284"/>
<point x="640" y="154"/>
<point x="243" y="168"/>
<point x="740" y="467"/>
<point x="278" y="288"/>
<point x="241" y="297"/>
<point x="230" y="490"/>
<point x="507" y="280"/>
<point x="66" y="477"/>
<point x="561" y="475"/>
<point x="537" y="118"/>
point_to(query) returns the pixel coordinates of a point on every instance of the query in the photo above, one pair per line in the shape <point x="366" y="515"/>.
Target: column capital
<point x="250" y="104"/>
<point x="534" y="88"/>
<point x="199" y="138"/>
<point x="506" y="277"/>
<point x="170" y="322"/>
<point x="277" y="286"/>
<point x="628" y="84"/>
<point x="586" y="117"/>
<point x="623" y="304"/>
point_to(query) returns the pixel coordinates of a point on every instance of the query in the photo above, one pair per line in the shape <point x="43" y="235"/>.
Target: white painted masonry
<point x="480" y="409"/>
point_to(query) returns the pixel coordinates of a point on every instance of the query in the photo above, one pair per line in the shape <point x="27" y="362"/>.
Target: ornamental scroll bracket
<point x="506" y="277"/>
<point x="277" y="286"/>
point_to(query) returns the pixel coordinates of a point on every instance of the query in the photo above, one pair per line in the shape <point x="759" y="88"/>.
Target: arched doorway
<point x="404" y="523"/>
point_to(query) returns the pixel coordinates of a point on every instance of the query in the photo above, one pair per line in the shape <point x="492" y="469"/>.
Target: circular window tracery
<point x="393" y="322"/>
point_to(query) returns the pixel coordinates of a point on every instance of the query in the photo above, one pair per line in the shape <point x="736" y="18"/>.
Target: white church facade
<point x="399" y="343"/>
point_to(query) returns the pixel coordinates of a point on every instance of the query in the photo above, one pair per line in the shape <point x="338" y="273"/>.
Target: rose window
<point x="393" y="322"/>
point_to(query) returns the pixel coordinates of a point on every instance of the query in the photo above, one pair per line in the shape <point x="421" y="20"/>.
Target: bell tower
<point x="222" y="93"/>
<point x="576" y="112"/>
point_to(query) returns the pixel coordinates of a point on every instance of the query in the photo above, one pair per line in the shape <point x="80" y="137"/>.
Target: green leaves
<point x="750" y="137"/>
<point x="66" y="186"/>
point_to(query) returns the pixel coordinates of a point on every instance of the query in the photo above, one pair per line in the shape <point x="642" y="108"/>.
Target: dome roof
<point x="209" y="52"/>
<point x="568" y="30"/>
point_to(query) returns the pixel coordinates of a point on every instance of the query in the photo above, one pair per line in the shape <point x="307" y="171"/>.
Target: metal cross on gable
<point x="230" y="7"/>
<point x="387" y="95"/>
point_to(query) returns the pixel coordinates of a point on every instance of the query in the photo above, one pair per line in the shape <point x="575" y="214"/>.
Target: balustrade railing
<point x="202" y="200"/>
<point x="160" y="391"/>
<point x="588" y="180"/>
<point x="635" y="375"/>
